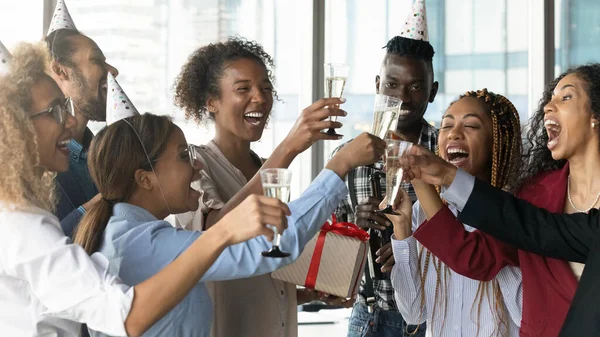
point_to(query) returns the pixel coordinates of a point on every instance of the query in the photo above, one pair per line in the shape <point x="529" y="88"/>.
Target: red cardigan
<point x="548" y="284"/>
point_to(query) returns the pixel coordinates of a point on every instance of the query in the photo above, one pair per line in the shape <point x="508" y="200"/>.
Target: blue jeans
<point x="379" y="323"/>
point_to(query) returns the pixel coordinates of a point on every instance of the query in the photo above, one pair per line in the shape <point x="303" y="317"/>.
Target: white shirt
<point x="47" y="285"/>
<point x="461" y="292"/>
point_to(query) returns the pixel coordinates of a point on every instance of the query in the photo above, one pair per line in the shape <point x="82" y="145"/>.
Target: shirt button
<point x="282" y="292"/>
<point x="371" y="323"/>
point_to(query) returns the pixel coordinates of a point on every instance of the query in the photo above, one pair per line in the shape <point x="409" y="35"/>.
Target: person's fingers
<point x="367" y="224"/>
<point x="323" y="102"/>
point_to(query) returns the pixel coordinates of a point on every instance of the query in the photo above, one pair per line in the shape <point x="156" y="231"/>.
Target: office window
<point x="577" y="33"/>
<point x="20" y="21"/>
<point x="477" y="45"/>
<point x="149" y="41"/>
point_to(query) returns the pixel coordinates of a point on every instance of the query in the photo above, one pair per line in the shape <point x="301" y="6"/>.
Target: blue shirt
<point x="75" y="186"/>
<point x="138" y="246"/>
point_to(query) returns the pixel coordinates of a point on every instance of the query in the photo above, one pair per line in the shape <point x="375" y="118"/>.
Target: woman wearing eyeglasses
<point x="49" y="286"/>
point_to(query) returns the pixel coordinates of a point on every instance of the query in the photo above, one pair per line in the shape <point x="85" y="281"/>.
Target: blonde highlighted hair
<point x="506" y="160"/>
<point x="23" y="182"/>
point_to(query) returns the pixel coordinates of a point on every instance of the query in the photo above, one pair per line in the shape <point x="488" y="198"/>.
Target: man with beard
<point x="406" y="73"/>
<point x="79" y="68"/>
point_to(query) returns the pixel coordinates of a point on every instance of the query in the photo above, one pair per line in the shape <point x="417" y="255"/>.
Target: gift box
<point x="332" y="262"/>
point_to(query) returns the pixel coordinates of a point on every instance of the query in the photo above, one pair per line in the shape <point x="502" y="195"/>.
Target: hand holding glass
<point x="336" y="75"/>
<point x="394" y="150"/>
<point x="276" y="184"/>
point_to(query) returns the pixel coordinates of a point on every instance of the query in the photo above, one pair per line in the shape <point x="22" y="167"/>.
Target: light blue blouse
<point x="138" y="246"/>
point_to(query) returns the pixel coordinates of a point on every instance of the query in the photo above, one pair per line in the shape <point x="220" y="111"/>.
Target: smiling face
<point x="466" y="136"/>
<point x="568" y="118"/>
<point x="52" y="136"/>
<point x="175" y="174"/>
<point x="411" y="80"/>
<point x="245" y="102"/>
<point x="87" y="79"/>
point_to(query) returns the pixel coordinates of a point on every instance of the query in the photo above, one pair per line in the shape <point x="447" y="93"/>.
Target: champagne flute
<point x="276" y="184"/>
<point x="336" y="75"/>
<point x="386" y="111"/>
<point x="394" y="150"/>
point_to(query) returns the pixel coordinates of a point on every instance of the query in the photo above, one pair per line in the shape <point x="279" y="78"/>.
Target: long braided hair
<point x="506" y="158"/>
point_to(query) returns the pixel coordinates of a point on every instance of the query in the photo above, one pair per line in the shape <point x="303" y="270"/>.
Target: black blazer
<point x="571" y="237"/>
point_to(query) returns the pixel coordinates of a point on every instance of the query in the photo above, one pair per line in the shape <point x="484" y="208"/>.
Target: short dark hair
<point x="61" y="47"/>
<point x="418" y="49"/>
<point x="199" y="77"/>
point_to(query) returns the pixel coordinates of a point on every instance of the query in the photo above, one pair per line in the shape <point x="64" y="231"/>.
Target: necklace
<point x="571" y="201"/>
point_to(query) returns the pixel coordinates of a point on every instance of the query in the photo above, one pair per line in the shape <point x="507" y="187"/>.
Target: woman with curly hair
<point x="480" y="133"/>
<point x="49" y="285"/>
<point x="560" y="175"/>
<point x="231" y="85"/>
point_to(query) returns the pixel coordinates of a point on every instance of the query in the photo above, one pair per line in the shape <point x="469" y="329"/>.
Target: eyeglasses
<point x="191" y="153"/>
<point x="60" y="111"/>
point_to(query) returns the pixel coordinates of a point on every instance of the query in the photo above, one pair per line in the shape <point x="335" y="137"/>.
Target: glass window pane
<point x="21" y="21"/>
<point x="149" y="41"/>
<point x="577" y="33"/>
<point x="478" y="44"/>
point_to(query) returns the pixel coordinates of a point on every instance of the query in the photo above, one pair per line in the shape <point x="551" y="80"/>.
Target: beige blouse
<point x="253" y="307"/>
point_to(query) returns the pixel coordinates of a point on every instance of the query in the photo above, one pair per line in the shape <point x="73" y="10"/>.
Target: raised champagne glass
<point x="276" y="184"/>
<point x="336" y="75"/>
<point x="385" y="115"/>
<point x="393" y="177"/>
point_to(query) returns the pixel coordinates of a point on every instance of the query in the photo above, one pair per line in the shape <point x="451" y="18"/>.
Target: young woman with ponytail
<point x="49" y="286"/>
<point x="141" y="166"/>
<point x="480" y="133"/>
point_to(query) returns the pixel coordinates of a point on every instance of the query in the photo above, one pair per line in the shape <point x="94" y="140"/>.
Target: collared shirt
<point x="384" y="293"/>
<point x="48" y="285"/>
<point x="138" y="246"/>
<point x="460" y="315"/>
<point x="75" y="186"/>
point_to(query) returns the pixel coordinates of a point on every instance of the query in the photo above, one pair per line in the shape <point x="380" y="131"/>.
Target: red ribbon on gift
<point x="341" y="228"/>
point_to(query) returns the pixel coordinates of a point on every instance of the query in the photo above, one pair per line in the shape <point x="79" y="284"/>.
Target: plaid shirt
<point x="384" y="293"/>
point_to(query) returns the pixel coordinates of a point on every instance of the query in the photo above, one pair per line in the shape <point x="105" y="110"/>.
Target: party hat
<point x="5" y="58"/>
<point x="61" y="18"/>
<point x="118" y="105"/>
<point x="415" y="25"/>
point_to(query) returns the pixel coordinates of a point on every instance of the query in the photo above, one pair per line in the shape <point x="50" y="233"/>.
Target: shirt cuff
<point x="404" y="249"/>
<point x="460" y="190"/>
<point x="81" y="210"/>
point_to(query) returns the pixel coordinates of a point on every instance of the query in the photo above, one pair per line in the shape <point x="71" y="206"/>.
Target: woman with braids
<point x="560" y="175"/>
<point x="231" y="85"/>
<point x="49" y="285"/>
<point x="480" y="133"/>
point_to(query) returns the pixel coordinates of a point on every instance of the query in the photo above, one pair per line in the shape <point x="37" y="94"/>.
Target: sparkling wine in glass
<point x="394" y="150"/>
<point x="386" y="111"/>
<point x="276" y="184"/>
<point x="336" y="75"/>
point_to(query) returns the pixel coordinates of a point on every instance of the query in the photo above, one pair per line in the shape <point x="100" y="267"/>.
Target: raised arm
<point x="306" y="132"/>
<point x="562" y="236"/>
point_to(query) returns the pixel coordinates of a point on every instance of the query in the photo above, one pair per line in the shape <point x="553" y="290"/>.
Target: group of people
<point x="133" y="231"/>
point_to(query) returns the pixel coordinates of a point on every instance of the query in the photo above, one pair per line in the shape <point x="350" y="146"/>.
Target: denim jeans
<point x="379" y="323"/>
